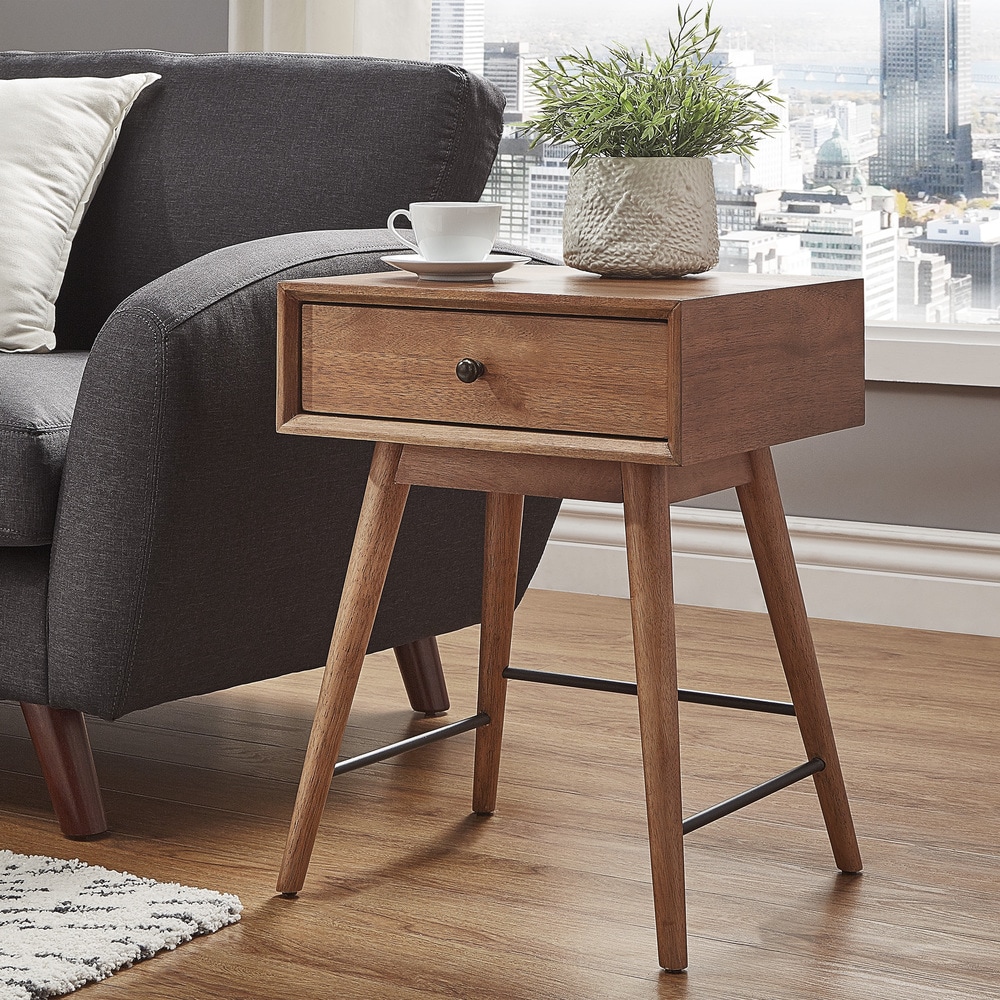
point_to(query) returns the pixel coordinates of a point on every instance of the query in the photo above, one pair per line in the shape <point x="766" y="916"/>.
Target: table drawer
<point x="591" y="376"/>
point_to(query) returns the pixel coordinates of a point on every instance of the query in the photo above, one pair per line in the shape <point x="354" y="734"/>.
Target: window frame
<point x="933" y="354"/>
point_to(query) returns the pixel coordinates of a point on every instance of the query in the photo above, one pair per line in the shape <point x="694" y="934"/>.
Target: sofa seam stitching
<point x="457" y="107"/>
<point x="12" y="430"/>
<point x="151" y="468"/>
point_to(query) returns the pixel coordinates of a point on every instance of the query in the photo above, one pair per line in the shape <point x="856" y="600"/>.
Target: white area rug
<point x="64" y="924"/>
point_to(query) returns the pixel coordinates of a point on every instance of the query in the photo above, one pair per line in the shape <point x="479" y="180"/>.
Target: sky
<point x="821" y="31"/>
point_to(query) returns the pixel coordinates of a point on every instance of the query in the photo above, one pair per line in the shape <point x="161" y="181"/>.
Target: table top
<point x="674" y="371"/>
<point x="553" y="290"/>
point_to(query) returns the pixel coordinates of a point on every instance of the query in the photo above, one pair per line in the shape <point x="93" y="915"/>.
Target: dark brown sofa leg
<point x="420" y="665"/>
<point x="63" y="749"/>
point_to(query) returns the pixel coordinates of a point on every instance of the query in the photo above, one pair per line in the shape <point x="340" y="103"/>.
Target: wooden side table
<point x="558" y="383"/>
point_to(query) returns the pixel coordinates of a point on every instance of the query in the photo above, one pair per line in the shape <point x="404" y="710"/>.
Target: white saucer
<point x="454" y="270"/>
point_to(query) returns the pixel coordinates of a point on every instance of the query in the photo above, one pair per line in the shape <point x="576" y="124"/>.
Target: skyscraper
<point x="771" y="166"/>
<point x="457" y="32"/>
<point x="504" y="65"/>
<point x="926" y="141"/>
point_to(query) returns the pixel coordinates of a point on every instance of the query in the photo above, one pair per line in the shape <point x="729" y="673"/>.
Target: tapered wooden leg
<point x="61" y="742"/>
<point x="772" y="551"/>
<point x="420" y="667"/>
<point x="647" y="540"/>
<point x="500" y="555"/>
<point x="378" y="525"/>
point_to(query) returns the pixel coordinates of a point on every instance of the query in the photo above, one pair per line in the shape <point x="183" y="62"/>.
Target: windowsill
<point x="931" y="354"/>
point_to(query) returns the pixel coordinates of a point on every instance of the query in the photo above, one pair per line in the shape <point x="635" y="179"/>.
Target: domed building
<point x="837" y="167"/>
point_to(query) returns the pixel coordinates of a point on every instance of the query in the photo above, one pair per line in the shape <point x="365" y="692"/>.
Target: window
<point x="892" y="115"/>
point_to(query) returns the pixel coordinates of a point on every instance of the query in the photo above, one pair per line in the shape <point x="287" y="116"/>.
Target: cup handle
<point x="395" y="232"/>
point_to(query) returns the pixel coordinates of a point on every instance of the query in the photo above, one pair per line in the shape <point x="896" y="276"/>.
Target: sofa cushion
<point x="56" y="137"/>
<point x="37" y="396"/>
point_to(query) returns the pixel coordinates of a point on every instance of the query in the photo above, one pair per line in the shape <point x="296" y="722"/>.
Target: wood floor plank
<point x="410" y="897"/>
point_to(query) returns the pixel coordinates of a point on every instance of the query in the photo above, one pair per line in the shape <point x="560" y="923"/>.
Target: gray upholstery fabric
<point x="228" y="148"/>
<point x="37" y="394"/>
<point x="23" y="584"/>
<point x="195" y="547"/>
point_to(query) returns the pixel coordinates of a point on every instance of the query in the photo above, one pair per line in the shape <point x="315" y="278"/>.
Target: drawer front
<point x="591" y="376"/>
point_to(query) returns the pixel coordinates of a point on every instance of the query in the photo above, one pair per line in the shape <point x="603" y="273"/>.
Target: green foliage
<point x="638" y="103"/>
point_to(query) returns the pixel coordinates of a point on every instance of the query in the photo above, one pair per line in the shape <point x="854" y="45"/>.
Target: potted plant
<point x="641" y="198"/>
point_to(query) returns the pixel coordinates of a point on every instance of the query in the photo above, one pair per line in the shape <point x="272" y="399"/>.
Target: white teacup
<point x="449" y="230"/>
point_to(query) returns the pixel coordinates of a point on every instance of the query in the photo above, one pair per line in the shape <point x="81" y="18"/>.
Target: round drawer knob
<point x="468" y="369"/>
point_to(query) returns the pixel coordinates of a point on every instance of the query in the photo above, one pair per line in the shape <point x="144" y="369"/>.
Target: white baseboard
<point x="930" y="578"/>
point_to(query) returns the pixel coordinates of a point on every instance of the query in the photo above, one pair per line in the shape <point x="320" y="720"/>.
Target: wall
<point x="171" y="25"/>
<point x="928" y="456"/>
<point x="893" y="523"/>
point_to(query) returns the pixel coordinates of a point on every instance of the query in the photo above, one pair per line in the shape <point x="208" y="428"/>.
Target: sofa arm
<point x="195" y="548"/>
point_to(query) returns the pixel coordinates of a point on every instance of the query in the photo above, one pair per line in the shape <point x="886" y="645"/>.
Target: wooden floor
<point x="409" y="896"/>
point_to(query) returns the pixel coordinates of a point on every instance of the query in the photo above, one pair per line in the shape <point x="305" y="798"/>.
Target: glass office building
<point x="926" y="141"/>
<point x="457" y="28"/>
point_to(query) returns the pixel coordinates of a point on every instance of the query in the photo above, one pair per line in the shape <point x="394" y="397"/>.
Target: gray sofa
<point x="158" y="539"/>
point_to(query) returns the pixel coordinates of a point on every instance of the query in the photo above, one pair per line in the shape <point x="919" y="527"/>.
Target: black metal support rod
<point x="394" y="749"/>
<point x="628" y="687"/>
<point x="755" y="794"/>
<point x="569" y="680"/>
<point x="736" y="701"/>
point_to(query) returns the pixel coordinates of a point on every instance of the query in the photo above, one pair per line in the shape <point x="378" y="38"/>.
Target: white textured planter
<point x="641" y="217"/>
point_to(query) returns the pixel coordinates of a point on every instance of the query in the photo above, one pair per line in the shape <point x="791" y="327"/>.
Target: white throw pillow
<point x="56" y="137"/>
